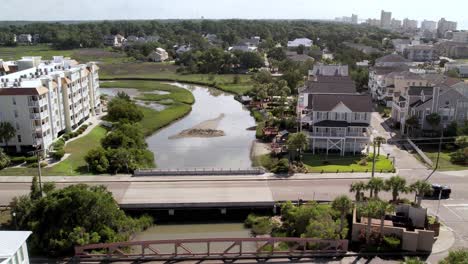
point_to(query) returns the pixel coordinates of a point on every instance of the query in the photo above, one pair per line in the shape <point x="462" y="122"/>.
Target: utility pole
<point x="39" y="172"/>
<point x="373" y="160"/>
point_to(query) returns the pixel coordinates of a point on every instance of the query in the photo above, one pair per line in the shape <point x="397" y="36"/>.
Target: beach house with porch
<point x="332" y="114"/>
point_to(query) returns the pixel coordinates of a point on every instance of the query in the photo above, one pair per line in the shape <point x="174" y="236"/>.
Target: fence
<point x="420" y="152"/>
<point x="198" y="172"/>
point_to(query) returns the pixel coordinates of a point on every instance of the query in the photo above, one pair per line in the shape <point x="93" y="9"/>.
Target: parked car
<point x="443" y="191"/>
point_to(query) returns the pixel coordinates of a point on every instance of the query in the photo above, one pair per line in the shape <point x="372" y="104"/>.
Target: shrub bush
<point x="392" y="242"/>
<point x="17" y="160"/>
<point x="58" y="154"/>
<point x="282" y="166"/>
<point x="58" y="144"/>
<point x="32" y="159"/>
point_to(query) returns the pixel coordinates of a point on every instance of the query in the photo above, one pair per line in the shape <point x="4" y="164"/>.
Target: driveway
<point x="403" y="159"/>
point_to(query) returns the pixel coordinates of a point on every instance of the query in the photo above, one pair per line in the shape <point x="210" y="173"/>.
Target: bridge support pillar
<point x="171" y="211"/>
<point x="223" y="211"/>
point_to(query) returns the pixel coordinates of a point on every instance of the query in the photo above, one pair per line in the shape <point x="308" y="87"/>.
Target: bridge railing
<point x="197" y="172"/>
<point x="215" y="248"/>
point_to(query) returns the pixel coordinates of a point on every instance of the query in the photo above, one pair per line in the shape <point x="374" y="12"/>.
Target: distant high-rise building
<point x="428" y="25"/>
<point x="444" y="26"/>
<point x="373" y="22"/>
<point x="409" y="24"/>
<point x="385" y="19"/>
<point x="354" y="19"/>
<point x="396" y="24"/>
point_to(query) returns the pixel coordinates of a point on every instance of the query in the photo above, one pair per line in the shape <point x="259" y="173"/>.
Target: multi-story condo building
<point x="396" y="24"/>
<point x="460" y="36"/>
<point x="43" y="99"/>
<point x="354" y="19"/>
<point x="385" y="19"/>
<point x="409" y="24"/>
<point x="448" y="99"/>
<point x="420" y="53"/>
<point x="443" y="26"/>
<point x="334" y="116"/>
<point x="428" y="25"/>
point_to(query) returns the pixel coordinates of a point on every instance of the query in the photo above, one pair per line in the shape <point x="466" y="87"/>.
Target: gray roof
<point x="298" y="57"/>
<point x="330" y="85"/>
<point x="326" y="102"/>
<point x="415" y="91"/>
<point x="329" y="70"/>
<point x="391" y="58"/>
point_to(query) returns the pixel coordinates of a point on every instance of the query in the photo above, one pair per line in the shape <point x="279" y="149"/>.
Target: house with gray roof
<point x="448" y="100"/>
<point x="329" y="70"/>
<point x="334" y="116"/>
<point x="391" y="60"/>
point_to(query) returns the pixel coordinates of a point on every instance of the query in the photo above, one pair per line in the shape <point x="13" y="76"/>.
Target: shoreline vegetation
<point x="205" y="129"/>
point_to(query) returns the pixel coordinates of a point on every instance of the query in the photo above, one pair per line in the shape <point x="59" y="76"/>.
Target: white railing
<point x="329" y="134"/>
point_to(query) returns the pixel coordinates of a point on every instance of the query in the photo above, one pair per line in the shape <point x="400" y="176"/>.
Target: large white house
<point x="43" y="99"/>
<point x="13" y="247"/>
<point x="334" y="116"/>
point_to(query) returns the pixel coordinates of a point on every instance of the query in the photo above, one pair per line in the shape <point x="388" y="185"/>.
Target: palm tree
<point x="358" y="187"/>
<point x="375" y="185"/>
<point x="7" y="132"/>
<point x="297" y="142"/>
<point x="368" y="210"/>
<point x="379" y="141"/>
<point x="382" y="208"/>
<point x="397" y="185"/>
<point x="342" y="204"/>
<point x="433" y="120"/>
<point x="412" y="123"/>
<point x="420" y="188"/>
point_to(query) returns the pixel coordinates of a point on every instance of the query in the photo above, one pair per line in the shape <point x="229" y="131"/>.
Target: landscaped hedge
<point x="76" y="133"/>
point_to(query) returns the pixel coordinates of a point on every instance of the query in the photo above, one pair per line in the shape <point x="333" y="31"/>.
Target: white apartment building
<point x="13" y="247"/>
<point x="43" y="99"/>
<point x="460" y="36"/>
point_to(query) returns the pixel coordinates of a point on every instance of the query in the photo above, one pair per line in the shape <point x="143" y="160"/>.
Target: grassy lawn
<point x="444" y="160"/>
<point x="74" y="164"/>
<point x="154" y="120"/>
<point x="316" y="163"/>
<point x="167" y="72"/>
<point x="104" y="55"/>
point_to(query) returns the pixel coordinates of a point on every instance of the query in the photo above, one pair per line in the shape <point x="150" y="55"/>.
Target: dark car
<point x="439" y="190"/>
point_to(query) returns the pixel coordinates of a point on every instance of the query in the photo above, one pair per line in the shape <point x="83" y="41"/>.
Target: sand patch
<point x="204" y="129"/>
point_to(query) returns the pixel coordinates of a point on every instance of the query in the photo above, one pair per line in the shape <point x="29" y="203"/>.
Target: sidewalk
<point x="129" y="178"/>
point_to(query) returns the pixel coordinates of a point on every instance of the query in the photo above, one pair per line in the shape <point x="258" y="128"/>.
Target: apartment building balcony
<point x="37" y="129"/>
<point x="35" y="116"/>
<point x="33" y="103"/>
<point x="38" y="141"/>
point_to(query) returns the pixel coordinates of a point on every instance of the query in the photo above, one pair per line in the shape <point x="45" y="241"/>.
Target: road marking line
<point x="453" y="212"/>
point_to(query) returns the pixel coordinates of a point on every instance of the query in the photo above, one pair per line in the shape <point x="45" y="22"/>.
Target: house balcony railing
<point x="328" y="134"/>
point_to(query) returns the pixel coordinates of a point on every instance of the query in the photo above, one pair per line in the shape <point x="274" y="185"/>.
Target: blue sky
<point x="287" y="9"/>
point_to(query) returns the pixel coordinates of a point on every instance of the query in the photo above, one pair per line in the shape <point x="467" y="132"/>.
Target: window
<point x="19" y="138"/>
<point x="16" y="113"/>
<point x="17" y="126"/>
<point x="14" y="100"/>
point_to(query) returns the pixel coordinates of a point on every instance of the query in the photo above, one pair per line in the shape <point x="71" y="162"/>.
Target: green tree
<point x="462" y="141"/>
<point x="262" y="77"/>
<point x="358" y="188"/>
<point x="382" y="208"/>
<point x="379" y="141"/>
<point x="300" y="49"/>
<point x="123" y="110"/>
<point x="433" y="120"/>
<point x="251" y="60"/>
<point x="459" y="256"/>
<point x="324" y="227"/>
<point x="277" y="54"/>
<point x="375" y="185"/>
<point x="4" y="160"/>
<point x="35" y="189"/>
<point x="297" y="142"/>
<point x="125" y="136"/>
<point x="451" y="130"/>
<point x="293" y="79"/>
<point x="420" y="188"/>
<point x="369" y="210"/>
<point x="71" y="216"/>
<point x="7" y="132"/>
<point x="412" y="123"/>
<point x="97" y="160"/>
<point x="343" y="205"/>
<point x="397" y="185"/>
<point x="453" y="73"/>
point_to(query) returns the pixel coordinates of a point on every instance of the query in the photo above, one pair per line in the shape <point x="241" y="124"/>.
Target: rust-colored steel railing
<point x="214" y="248"/>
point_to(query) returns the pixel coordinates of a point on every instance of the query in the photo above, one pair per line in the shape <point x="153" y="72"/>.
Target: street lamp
<point x="14" y="219"/>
